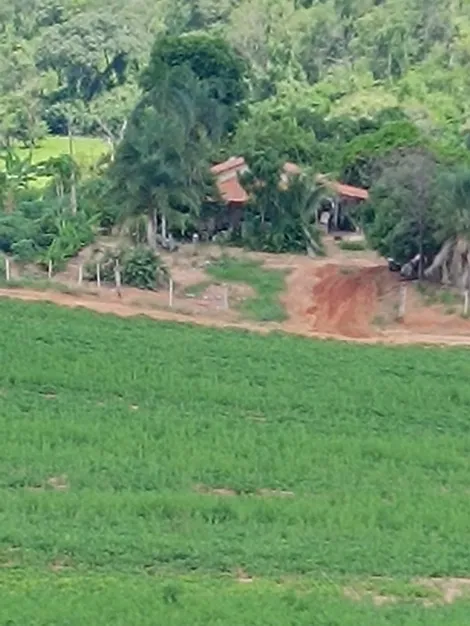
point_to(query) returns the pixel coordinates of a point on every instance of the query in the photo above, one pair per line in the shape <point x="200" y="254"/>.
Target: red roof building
<point x="344" y="191"/>
<point x="228" y="182"/>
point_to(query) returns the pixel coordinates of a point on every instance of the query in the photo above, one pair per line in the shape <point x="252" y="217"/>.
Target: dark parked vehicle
<point x="393" y="265"/>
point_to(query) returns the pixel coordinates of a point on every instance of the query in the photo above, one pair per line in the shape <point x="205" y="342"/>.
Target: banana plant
<point x="15" y="176"/>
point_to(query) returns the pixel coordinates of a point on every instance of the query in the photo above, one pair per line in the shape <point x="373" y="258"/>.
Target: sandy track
<point x="121" y="309"/>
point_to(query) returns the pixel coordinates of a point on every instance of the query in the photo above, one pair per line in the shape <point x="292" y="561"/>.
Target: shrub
<point x="141" y="267"/>
<point x="24" y="251"/>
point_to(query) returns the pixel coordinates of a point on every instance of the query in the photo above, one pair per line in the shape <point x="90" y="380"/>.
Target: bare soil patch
<point x="49" y="396"/>
<point x="215" y="491"/>
<point x="58" y="483"/>
<point x="427" y="591"/>
<point x="346" y="299"/>
<point x="227" y="492"/>
<point x="243" y="577"/>
<point x="378" y="599"/>
<point x="450" y="589"/>
<point x="275" y="493"/>
<point x="59" y="565"/>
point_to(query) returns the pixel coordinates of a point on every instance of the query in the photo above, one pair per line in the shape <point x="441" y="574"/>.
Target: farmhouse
<point x="343" y="197"/>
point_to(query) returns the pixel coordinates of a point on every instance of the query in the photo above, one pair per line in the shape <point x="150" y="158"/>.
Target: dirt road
<point x="325" y="326"/>
<point x="347" y="296"/>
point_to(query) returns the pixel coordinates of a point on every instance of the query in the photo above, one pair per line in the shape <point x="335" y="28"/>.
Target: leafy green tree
<point x="211" y="60"/>
<point x="62" y="169"/>
<point x="401" y="216"/>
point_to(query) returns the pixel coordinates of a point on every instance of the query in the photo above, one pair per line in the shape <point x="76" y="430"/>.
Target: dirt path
<point x="116" y="307"/>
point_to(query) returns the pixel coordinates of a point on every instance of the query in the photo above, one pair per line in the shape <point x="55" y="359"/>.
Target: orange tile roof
<point x="231" y="190"/>
<point x="292" y="168"/>
<point x="233" y="163"/>
<point x="348" y="191"/>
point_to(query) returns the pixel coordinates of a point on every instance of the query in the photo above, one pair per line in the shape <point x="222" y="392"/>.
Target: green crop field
<point x="157" y="473"/>
<point x="87" y="150"/>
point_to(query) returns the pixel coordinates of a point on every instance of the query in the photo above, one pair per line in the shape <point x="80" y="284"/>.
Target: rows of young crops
<point x="329" y="461"/>
<point x="104" y="599"/>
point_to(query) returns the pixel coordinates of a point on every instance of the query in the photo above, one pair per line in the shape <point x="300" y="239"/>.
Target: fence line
<point x="214" y="301"/>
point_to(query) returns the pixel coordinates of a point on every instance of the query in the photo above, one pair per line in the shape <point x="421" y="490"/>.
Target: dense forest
<point x="373" y="92"/>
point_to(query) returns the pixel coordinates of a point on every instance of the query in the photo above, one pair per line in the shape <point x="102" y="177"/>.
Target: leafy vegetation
<point x="285" y="472"/>
<point x="324" y="84"/>
<point x="139" y="267"/>
<point x="87" y="150"/>
<point x="353" y="90"/>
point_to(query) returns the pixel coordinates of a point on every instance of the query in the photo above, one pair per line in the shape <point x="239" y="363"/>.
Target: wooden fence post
<point x="465" y="302"/>
<point x="170" y="293"/>
<point x="226" y="297"/>
<point x="49" y="269"/>
<point x="98" y="275"/>
<point x="117" y="276"/>
<point x="80" y="274"/>
<point x="402" y="305"/>
<point x="7" y="269"/>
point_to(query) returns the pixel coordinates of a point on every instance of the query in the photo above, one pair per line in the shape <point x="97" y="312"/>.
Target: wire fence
<point x="78" y="280"/>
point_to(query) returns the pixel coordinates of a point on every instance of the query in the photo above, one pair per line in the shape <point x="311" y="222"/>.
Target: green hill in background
<point x="340" y="56"/>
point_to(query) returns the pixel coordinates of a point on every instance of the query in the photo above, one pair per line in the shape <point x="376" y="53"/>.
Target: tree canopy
<point x="374" y="93"/>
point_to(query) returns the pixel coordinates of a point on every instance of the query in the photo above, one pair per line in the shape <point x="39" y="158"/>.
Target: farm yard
<point x="348" y="294"/>
<point x="215" y="476"/>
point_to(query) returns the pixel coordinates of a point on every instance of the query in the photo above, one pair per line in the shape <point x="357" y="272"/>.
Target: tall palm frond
<point x="452" y="263"/>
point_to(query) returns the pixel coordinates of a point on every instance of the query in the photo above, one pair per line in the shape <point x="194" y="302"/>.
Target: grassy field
<point x="152" y="469"/>
<point x="268" y="284"/>
<point x="87" y="151"/>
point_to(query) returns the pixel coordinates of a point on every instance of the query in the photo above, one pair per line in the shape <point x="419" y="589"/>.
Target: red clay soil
<point x="345" y="300"/>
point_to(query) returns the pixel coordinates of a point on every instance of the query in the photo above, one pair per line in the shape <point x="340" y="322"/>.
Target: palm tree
<point x="281" y="214"/>
<point x="161" y="165"/>
<point x="300" y="202"/>
<point x="63" y="170"/>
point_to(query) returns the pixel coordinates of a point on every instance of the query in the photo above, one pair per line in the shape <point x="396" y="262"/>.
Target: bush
<point x="24" y="251"/>
<point x="14" y="227"/>
<point x="141" y="267"/>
